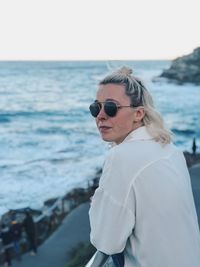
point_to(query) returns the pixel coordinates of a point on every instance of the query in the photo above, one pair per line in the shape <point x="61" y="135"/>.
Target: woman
<point x="144" y="205"/>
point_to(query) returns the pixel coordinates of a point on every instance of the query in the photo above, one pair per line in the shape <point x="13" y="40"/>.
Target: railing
<point x="100" y="259"/>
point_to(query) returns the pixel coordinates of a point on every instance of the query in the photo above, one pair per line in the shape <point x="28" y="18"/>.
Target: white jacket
<point x="144" y="205"/>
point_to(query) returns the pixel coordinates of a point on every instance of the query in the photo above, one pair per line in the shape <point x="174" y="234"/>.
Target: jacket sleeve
<point x="112" y="214"/>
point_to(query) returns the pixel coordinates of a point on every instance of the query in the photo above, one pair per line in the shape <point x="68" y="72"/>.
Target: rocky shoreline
<point x="52" y="214"/>
<point x="185" y="69"/>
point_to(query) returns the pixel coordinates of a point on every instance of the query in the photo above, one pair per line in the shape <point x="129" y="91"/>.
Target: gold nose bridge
<point x="101" y="105"/>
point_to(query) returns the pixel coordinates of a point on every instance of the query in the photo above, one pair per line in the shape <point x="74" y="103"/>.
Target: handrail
<point x="98" y="260"/>
<point x="48" y="211"/>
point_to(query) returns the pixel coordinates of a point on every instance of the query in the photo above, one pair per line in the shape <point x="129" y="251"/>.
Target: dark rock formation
<point x="185" y="69"/>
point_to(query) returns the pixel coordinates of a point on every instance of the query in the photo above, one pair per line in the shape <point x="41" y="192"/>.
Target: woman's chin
<point x="106" y="138"/>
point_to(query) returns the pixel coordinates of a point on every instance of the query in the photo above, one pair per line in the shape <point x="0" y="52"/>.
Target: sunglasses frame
<point x="106" y="108"/>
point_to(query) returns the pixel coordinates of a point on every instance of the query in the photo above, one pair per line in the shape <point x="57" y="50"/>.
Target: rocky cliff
<point x="185" y="69"/>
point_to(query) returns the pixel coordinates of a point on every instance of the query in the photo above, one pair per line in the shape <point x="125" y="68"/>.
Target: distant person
<point x="194" y="146"/>
<point x="143" y="212"/>
<point x="30" y="230"/>
<point x="16" y="230"/>
<point x="7" y="242"/>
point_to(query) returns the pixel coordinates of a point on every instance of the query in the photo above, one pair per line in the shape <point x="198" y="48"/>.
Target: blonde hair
<point x="140" y="96"/>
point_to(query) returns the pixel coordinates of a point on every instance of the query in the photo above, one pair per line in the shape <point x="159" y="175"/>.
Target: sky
<point x="98" y="29"/>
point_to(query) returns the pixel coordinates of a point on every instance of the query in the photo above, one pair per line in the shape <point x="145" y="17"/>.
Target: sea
<point x="49" y="143"/>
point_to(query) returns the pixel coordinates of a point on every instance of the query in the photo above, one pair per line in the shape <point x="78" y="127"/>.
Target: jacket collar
<point x="140" y="133"/>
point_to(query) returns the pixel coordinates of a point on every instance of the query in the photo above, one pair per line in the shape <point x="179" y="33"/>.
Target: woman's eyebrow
<point x="108" y="99"/>
<point x="113" y="100"/>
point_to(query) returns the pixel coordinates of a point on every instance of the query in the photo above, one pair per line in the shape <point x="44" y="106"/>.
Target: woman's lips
<point x="104" y="128"/>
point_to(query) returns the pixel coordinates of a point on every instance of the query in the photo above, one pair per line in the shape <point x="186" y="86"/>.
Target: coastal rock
<point x="185" y="69"/>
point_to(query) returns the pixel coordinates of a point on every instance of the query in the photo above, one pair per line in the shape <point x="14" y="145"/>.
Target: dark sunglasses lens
<point x="110" y="109"/>
<point x="95" y="109"/>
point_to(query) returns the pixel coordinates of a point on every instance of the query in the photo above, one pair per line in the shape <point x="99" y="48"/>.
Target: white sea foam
<point x="48" y="140"/>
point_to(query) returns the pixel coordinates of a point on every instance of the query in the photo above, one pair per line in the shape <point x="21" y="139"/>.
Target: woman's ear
<point x="139" y="114"/>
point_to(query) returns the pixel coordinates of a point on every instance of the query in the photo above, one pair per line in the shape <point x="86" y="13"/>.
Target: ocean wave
<point x="50" y="113"/>
<point x="51" y="130"/>
<point x="4" y="119"/>
<point x="27" y="144"/>
<point x="184" y="132"/>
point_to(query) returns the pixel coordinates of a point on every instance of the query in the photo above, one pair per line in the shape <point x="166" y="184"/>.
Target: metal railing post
<point x="98" y="260"/>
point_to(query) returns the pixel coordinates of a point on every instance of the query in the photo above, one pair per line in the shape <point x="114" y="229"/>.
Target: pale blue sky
<point x="98" y="29"/>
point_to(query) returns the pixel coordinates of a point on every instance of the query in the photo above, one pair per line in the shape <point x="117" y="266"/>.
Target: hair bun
<point x="125" y="71"/>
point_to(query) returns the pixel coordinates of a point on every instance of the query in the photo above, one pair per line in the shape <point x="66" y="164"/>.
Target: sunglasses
<point x="110" y="108"/>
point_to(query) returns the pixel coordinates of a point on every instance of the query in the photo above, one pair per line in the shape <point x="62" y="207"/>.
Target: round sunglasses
<point x="110" y="108"/>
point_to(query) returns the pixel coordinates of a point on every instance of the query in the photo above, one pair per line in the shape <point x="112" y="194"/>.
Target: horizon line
<point x="142" y="59"/>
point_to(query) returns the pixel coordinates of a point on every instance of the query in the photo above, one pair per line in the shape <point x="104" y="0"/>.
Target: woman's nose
<point x="102" y="114"/>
